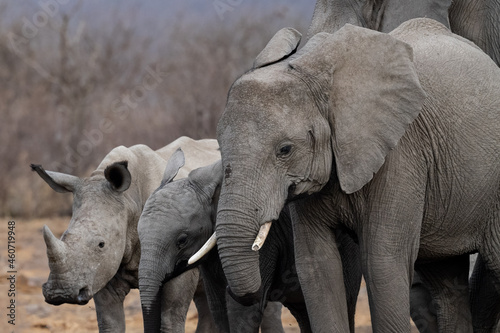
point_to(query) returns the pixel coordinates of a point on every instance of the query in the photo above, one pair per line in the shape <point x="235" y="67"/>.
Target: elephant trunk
<point x="250" y="197"/>
<point x="151" y="275"/>
<point x="151" y="306"/>
<point x="236" y="233"/>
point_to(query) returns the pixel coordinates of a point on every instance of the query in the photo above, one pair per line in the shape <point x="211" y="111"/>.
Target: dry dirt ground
<point x="35" y="316"/>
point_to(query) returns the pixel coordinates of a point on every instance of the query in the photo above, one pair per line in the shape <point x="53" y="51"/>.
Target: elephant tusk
<point x="210" y="243"/>
<point x="261" y="236"/>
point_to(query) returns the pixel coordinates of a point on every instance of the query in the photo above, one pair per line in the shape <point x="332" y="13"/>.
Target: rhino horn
<point x="55" y="247"/>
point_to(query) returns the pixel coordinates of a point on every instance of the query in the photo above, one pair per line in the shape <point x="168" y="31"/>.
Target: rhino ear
<point x="59" y="182"/>
<point x="174" y="164"/>
<point x="374" y="94"/>
<point x="118" y="176"/>
<point x="207" y="178"/>
<point x="283" y="44"/>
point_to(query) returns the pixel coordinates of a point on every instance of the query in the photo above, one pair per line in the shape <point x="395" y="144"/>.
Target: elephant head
<point x="328" y="113"/>
<point x="177" y="219"/>
<point x="91" y="250"/>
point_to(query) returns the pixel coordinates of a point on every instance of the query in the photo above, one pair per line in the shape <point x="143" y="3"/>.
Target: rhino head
<point x="91" y="250"/>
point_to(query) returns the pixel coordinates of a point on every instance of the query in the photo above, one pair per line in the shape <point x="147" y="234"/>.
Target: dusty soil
<point x="35" y="316"/>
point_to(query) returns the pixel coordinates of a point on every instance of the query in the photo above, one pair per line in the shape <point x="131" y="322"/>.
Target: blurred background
<point x="78" y="78"/>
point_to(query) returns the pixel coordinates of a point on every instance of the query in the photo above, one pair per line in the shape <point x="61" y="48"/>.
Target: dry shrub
<point x="85" y="83"/>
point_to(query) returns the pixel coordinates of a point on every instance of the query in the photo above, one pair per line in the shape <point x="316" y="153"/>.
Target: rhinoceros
<point x="98" y="255"/>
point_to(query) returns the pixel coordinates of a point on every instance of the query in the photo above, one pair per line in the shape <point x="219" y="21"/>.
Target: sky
<point x="163" y="9"/>
<point x="154" y="17"/>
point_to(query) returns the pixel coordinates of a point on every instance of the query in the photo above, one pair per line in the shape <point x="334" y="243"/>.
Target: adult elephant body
<point x="394" y="136"/>
<point x="476" y="20"/>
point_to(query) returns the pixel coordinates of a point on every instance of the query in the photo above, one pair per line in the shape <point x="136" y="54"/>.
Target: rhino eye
<point x="101" y="245"/>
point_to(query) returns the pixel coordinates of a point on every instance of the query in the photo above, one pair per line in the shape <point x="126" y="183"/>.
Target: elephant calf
<point x="98" y="255"/>
<point x="180" y="216"/>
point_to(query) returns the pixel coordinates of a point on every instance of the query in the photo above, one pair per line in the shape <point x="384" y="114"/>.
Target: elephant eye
<point x="182" y="241"/>
<point x="284" y="150"/>
<point x="101" y="245"/>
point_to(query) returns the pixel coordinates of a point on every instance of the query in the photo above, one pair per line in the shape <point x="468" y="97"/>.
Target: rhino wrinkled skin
<point x="98" y="255"/>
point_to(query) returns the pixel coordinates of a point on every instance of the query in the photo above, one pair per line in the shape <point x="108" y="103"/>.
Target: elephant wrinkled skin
<point x="393" y="136"/>
<point x="476" y="20"/>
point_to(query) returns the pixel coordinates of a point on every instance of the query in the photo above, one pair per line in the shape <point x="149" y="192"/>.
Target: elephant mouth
<point x="180" y="267"/>
<point x="59" y="296"/>
<point x="292" y="196"/>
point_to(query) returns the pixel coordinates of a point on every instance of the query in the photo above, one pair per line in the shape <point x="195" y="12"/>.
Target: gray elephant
<point x="180" y="216"/>
<point x="476" y="20"/>
<point x="393" y="136"/>
<point x="98" y="255"/>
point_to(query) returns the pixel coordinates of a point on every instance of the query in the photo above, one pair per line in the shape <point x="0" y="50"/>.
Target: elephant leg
<point x="351" y="264"/>
<point x="109" y="305"/>
<point x="388" y="284"/>
<point x="271" y="319"/>
<point x="422" y="309"/>
<point x="389" y="241"/>
<point x="249" y="318"/>
<point x="206" y="323"/>
<point x="448" y="284"/>
<point x="176" y="296"/>
<point x="319" y="268"/>
<point x="484" y="299"/>
<point x="299" y="311"/>
<point x="242" y="318"/>
<point x="215" y="290"/>
<point x="487" y="272"/>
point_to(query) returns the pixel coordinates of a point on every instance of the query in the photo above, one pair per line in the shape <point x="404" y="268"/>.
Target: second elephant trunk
<point x="151" y="306"/>
<point x="151" y="276"/>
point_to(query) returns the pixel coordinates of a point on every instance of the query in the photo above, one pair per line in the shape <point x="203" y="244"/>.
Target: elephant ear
<point x="283" y="44"/>
<point x="373" y="95"/>
<point x="174" y="164"/>
<point x="207" y="179"/>
<point x="59" y="182"/>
